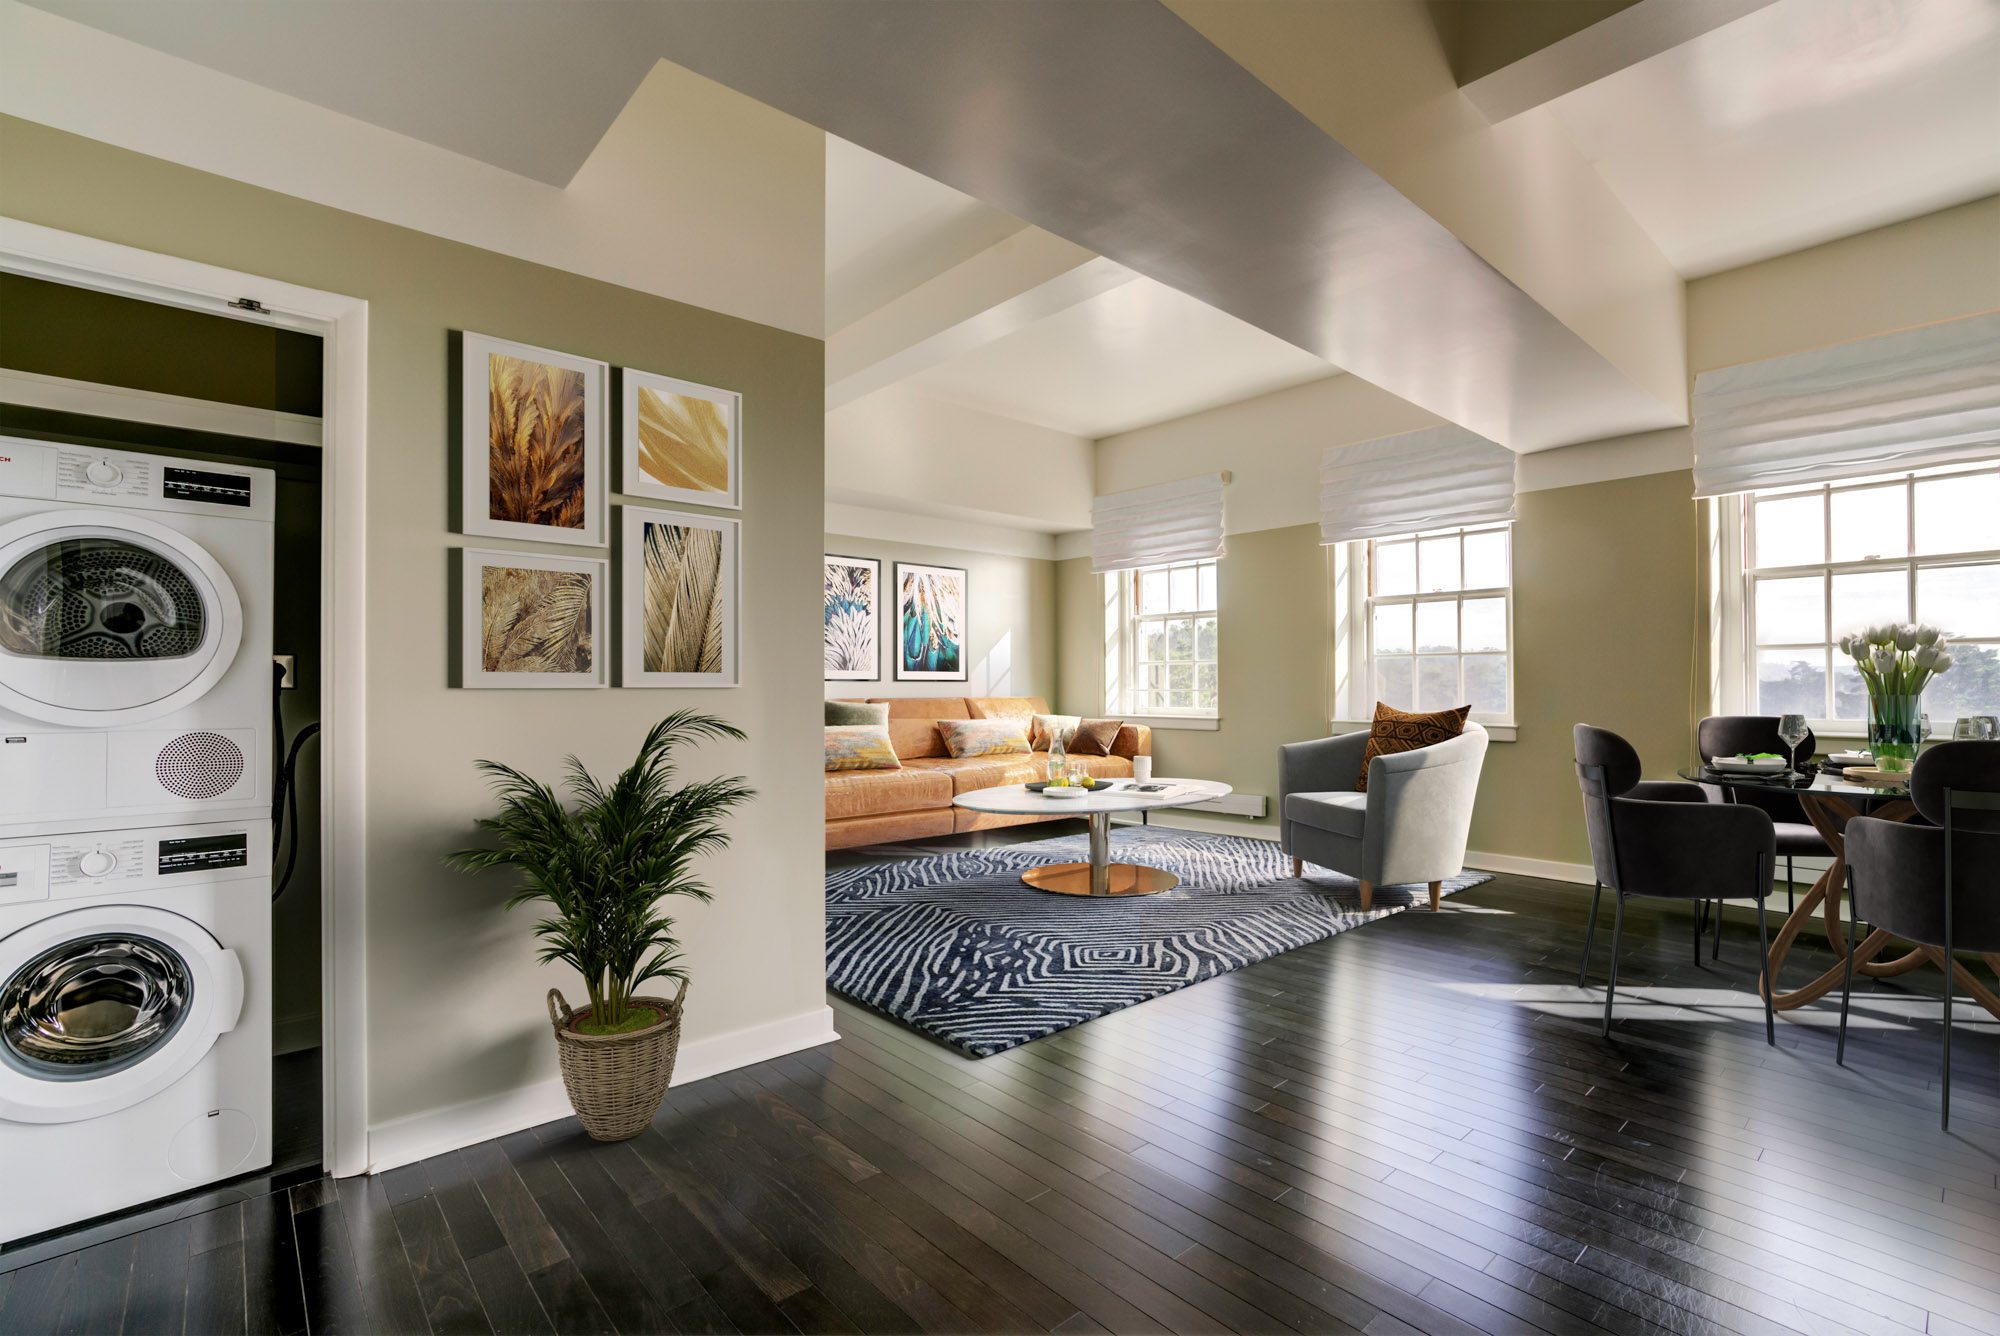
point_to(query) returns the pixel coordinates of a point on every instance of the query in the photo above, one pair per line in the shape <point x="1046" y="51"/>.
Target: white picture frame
<point x="844" y="655"/>
<point x="954" y="604"/>
<point x="477" y="433"/>
<point x="640" y="396"/>
<point x="485" y="642"/>
<point x="648" y="588"/>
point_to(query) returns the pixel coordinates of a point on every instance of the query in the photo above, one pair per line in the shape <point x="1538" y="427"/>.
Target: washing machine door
<point x="103" y="1007"/>
<point x="109" y="618"/>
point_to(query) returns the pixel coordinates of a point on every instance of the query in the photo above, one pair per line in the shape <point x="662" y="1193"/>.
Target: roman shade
<point x="1915" y="399"/>
<point x="1440" y="478"/>
<point x="1151" y="526"/>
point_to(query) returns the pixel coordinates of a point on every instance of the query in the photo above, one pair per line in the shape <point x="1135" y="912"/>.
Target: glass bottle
<point x="1058" y="758"/>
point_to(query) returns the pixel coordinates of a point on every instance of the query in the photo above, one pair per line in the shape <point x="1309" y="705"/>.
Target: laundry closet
<point x="160" y="652"/>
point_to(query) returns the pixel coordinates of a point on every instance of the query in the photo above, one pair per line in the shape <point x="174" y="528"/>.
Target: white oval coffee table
<point x="1100" y="876"/>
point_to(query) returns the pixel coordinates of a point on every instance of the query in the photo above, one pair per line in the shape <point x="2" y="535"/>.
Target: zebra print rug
<point x="955" y="946"/>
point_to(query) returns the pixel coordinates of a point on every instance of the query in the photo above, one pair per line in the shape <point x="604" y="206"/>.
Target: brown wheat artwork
<point x="683" y="603"/>
<point x="534" y="621"/>
<point x="683" y="441"/>
<point x="535" y="457"/>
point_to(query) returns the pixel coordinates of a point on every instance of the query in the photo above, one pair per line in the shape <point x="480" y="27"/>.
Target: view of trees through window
<point x="1438" y="625"/>
<point x="1173" y="638"/>
<point x="1824" y="562"/>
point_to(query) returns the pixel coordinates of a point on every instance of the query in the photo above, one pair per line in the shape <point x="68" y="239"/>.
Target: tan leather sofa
<point x="875" y="806"/>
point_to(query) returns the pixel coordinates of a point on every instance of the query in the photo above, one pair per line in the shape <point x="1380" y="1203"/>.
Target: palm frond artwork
<point x="683" y="441"/>
<point x="850" y="619"/>
<point x="931" y="619"/>
<point x="682" y="599"/>
<point x="535" y="621"/>
<point x="535" y="443"/>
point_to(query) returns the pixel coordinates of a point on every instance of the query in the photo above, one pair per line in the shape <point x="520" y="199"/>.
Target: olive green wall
<point x="454" y="991"/>
<point x="1605" y="614"/>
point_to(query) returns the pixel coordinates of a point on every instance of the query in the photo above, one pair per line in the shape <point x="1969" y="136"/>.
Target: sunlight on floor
<point x="1869" y="1011"/>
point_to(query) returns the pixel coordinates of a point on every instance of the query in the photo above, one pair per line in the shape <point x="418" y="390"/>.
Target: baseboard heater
<point x="1231" y="804"/>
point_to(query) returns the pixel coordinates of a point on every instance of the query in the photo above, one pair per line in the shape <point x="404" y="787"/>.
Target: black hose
<point x="288" y="778"/>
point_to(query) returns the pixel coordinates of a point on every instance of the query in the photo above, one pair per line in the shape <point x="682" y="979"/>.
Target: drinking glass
<point x="1965" y="729"/>
<point x="1792" y="731"/>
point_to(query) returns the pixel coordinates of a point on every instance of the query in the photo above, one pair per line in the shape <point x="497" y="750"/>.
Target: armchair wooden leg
<point x="1298" y="867"/>
<point x="1437" y="895"/>
<point x="1367" y="895"/>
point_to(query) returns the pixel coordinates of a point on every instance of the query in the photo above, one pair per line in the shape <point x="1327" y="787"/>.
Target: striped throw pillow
<point x="982" y="737"/>
<point x="859" y="747"/>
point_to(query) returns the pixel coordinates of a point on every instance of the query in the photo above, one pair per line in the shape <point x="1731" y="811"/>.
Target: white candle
<point x="1142" y="769"/>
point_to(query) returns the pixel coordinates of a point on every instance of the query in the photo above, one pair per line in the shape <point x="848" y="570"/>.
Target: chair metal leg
<point x="1788" y="886"/>
<point x="1611" y="981"/>
<point x="1583" y="975"/>
<point x="1700" y="908"/>
<point x="1847" y="977"/>
<point x="1944" y="1116"/>
<point x="1715" y="951"/>
<point x="1764" y="969"/>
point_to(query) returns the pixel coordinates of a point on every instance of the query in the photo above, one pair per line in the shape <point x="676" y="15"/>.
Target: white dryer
<point x="135" y="1017"/>
<point x="135" y="638"/>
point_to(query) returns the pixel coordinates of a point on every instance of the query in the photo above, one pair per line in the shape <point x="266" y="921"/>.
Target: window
<point x="1822" y="562"/>
<point x="1167" y="640"/>
<point x="1438" y="621"/>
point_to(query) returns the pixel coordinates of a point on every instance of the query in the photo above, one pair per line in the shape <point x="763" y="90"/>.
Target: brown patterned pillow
<point x="1094" y="737"/>
<point x="1398" y="731"/>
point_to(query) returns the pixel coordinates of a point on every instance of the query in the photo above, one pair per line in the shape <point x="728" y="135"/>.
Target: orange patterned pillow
<point x="1398" y="731"/>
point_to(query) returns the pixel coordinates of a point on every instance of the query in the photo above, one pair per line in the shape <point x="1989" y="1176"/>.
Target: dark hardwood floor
<point x="1413" y="1127"/>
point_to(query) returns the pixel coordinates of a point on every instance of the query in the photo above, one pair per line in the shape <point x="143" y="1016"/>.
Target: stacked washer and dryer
<point x="135" y="863"/>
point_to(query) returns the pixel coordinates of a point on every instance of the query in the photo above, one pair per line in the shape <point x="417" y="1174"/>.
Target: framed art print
<point x="679" y="599"/>
<point x="680" y="441"/>
<point x="531" y="620"/>
<point x="852" y="640"/>
<point x="930" y="623"/>
<point x="531" y="442"/>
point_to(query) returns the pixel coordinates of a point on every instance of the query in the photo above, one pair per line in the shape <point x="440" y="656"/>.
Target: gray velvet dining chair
<point x="1937" y="885"/>
<point x="1665" y="839"/>
<point x="1735" y="735"/>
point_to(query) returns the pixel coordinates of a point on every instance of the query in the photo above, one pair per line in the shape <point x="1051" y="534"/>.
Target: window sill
<point x="1208" y="723"/>
<point x="1495" y="732"/>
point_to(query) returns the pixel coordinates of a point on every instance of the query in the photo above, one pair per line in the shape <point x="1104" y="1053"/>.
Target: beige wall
<point x="1010" y="608"/>
<point x="454" y="992"/>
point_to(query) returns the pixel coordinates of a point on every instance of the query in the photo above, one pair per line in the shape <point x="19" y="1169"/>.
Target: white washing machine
<point x="135" y="638"/>
<point x="135" y="1017"/>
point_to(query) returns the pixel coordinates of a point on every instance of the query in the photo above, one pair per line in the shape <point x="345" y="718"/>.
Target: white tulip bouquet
<point x="1898" y="660"/>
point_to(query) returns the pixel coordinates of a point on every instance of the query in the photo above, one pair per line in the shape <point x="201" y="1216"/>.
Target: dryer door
<point x="109" y="619"/>
<point x="103" y="1007"/>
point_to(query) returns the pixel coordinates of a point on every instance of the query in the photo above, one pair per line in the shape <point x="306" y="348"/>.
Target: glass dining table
<point x="1830" y="802"/>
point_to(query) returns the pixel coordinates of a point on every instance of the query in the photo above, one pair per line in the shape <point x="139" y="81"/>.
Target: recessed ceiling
<point x="1803" y="122"/>
<point x="1138" y="354"/>
<point x="889" y="229"/>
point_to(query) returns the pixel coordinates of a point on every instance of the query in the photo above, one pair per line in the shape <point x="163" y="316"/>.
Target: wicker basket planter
<point x="616" y="1081"/>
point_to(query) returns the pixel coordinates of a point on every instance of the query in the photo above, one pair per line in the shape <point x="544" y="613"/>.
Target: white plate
<point x="1850" y="758"/>
<point x="1066" y="791"/>
<point x="1730" y="763"/>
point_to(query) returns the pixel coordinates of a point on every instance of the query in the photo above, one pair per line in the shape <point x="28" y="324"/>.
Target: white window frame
<point x="1121" y="624"/>
<point x="1351" y="616"/>
<point x="1733" y="635"/>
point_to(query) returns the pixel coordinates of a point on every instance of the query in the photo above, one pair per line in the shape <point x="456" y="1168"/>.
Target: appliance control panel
<point x="86" y="863"/>
<point x="54" y="471"/>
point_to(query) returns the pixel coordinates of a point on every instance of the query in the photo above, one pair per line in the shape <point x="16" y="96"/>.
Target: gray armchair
<point x="1409" y="826"/>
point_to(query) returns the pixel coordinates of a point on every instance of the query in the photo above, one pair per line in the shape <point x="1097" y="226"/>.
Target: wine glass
<point x="1792" y="731"/>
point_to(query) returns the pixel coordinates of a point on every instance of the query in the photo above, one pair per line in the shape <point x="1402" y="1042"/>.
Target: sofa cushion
<point x="1005" y="707"/>
<point x="924" y="707"/>
<point x="1341" y="812"/>
<point x="1042" y="727"/>
<point x="983" y="737"/>
<point x="1095" y="737"/>
<point x="859" y="747"/>
<point x="1400" y="731"/>
<point x="890" y="827"/>
<point x="879" y="792"/>
<point x="913" y="738"/>
<point x="857" y="712"/>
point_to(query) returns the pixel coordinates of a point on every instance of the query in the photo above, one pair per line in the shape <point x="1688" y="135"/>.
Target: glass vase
<point x="1058" y="760"/>
<point x="1895" y="728"/>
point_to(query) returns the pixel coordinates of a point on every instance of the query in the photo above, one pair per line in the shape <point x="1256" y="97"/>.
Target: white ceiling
<point x="1805" y="121"/>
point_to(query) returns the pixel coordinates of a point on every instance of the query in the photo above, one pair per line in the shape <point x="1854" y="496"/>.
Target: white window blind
<point x="1156" y="526"/>
<point x="1915" y="399"/>
<point x="1442" y="478"/>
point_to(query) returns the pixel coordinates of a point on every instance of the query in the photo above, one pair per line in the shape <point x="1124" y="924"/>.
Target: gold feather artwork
<point x="683" y="441"/>
<point x="535" y="457"/>
<point x="534" y="621"/>
<point x="683" y="599"/>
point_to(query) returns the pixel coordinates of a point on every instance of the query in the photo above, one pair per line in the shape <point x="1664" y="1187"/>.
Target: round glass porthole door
<point x="93" y="1006"/>
<point x="104" y="623"/>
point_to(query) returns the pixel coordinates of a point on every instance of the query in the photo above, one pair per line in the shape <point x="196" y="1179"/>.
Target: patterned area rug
<point x="958" y="948"/>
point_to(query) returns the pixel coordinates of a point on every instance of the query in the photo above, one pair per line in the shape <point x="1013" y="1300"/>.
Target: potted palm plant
<point x="602" y="866"/>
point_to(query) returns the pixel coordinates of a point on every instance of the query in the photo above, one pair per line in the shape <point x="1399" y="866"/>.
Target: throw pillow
<point x="1399" y="731"/>
<point x="1043" y="728"/>
<point x="859" y="747"/>
<point x="857" y="712"/>
<point x="1095" y="736"/>
<point x="982" y="737"/>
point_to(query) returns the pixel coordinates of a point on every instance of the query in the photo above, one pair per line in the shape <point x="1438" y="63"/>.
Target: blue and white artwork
<point x="853" y="612"/>
<point x="930" y="623"/>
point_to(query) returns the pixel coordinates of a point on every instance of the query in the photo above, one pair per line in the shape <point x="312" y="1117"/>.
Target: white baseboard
<point x="435" y="1131"/>
<point x="1179" y="818"/>
<point x="1546" y="868"/>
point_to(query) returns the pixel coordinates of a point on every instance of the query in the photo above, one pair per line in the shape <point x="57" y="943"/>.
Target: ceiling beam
<point x="1635" y="33"/>
<point x="1007" y="287"/>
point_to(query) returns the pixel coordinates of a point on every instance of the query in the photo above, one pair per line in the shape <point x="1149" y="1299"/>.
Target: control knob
<point x="102" y="472"/>
<point x="97" y="863"/>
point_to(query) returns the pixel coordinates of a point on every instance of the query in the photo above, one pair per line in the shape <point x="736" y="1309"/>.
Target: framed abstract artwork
<point x="853" y="619"/>
<point x="930" y="623"/>
<point x="680" y="441"/>
<point x="531" y="445"/>
<point x="531" y="620"/>
<point x="679" y="599"/>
